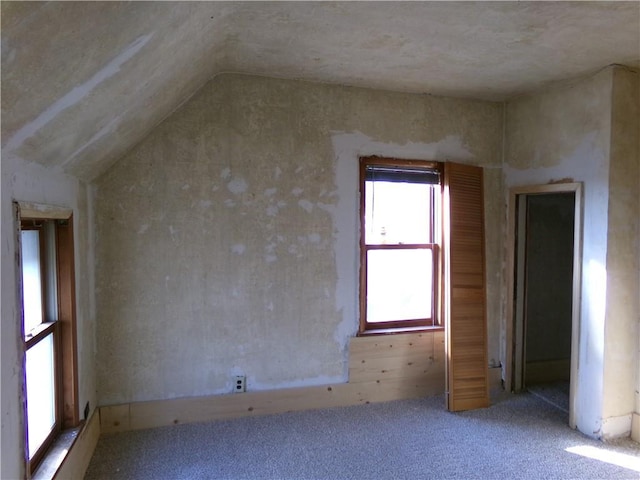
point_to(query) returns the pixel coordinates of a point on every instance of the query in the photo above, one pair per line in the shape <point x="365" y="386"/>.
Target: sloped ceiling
<point x="84" y="82"/>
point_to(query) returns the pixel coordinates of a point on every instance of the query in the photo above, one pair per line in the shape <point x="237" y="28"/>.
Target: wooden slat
<point x="114" y="418"/>
<point x="409" y="356"/>
<point x="391" y="345"/>
<point x="467" y="369"/>
<point x="398" y="389"/>
<point x="414" y="366"/>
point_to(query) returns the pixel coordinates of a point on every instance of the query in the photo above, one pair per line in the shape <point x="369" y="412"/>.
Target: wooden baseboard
<point x="381" y="369"/>
<point x="142" y="415"/>
<point x="77" y="460"/>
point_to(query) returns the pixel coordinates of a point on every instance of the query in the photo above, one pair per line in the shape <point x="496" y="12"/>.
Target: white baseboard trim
<point x="616" y="427"/>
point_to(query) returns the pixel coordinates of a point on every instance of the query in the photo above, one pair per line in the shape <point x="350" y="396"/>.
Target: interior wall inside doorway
<point x="549" y="279"/>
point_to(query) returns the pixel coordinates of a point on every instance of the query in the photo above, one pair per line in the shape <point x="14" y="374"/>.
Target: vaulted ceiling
<point x="83" y="82"/>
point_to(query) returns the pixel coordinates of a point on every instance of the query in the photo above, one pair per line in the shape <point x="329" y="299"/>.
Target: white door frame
<point x="514" y="322"/>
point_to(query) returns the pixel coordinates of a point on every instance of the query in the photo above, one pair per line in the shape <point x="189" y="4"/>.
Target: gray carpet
<point x="556" y="393"/>
<point x="519" y="436"/>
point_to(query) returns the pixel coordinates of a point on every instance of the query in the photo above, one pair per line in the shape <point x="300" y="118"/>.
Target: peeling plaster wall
<point x="30" y="182"/>
<point x="227" y="241"/>
<point x="571" y="132"/>
<point x="623" y="286"/>
<point x="565" y="133"/>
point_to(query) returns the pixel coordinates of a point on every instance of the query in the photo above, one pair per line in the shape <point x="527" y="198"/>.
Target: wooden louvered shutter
<point x="465" y="298"/>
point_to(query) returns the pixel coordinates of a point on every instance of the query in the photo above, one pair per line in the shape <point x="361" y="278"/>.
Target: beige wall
<point x="584" y="131"/>
<point x="227" y="240"/>
<point x="564" y="133"/>
<point x="28" y="182"/>
<point x="623" y="286"/>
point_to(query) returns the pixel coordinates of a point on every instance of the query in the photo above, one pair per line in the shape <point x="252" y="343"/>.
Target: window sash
<point x="383" y="224"/>
<point x="29" y="322"/>
<point x="431" y="318"/>
<point x="47" y="331"/>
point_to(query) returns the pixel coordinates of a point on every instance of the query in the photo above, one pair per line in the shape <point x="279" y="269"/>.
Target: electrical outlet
<point x="239" y="384"/>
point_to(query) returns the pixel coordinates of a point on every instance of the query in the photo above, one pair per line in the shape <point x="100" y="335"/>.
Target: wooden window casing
<point x="433" y="320"/>
<point x="60" y="322"/>
<point x="67" y="321"/>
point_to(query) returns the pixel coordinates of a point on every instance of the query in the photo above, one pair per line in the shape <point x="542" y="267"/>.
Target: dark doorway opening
<point x="545" y="285"/>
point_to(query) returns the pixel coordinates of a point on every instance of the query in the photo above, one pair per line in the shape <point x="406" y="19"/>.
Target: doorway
<point x="544" y="245"/>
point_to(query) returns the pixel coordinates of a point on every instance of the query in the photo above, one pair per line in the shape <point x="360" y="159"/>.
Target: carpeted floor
<point x="555" y="393"/>
<point x="519" y="437"/>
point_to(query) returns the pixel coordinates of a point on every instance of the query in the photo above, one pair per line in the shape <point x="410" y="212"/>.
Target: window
<point x="400" y="236"/>
<point x="422" y="262"/>
<point x="46" y="247"/>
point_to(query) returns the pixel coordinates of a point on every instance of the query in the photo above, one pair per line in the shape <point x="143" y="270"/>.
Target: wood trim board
<point x="76" y="462"/>
<point x="381" y="368"/>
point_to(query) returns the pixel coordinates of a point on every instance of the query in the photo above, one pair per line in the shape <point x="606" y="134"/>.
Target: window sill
<point x="393" y="331"/>
<point x="56" y="454"/>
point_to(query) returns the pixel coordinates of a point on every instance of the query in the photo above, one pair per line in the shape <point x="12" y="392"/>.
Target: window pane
<point x="399" y="284"/>
<point x="41" y="402"/>
<point x="397" y="213"/>
<point x="31" y="279"/>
